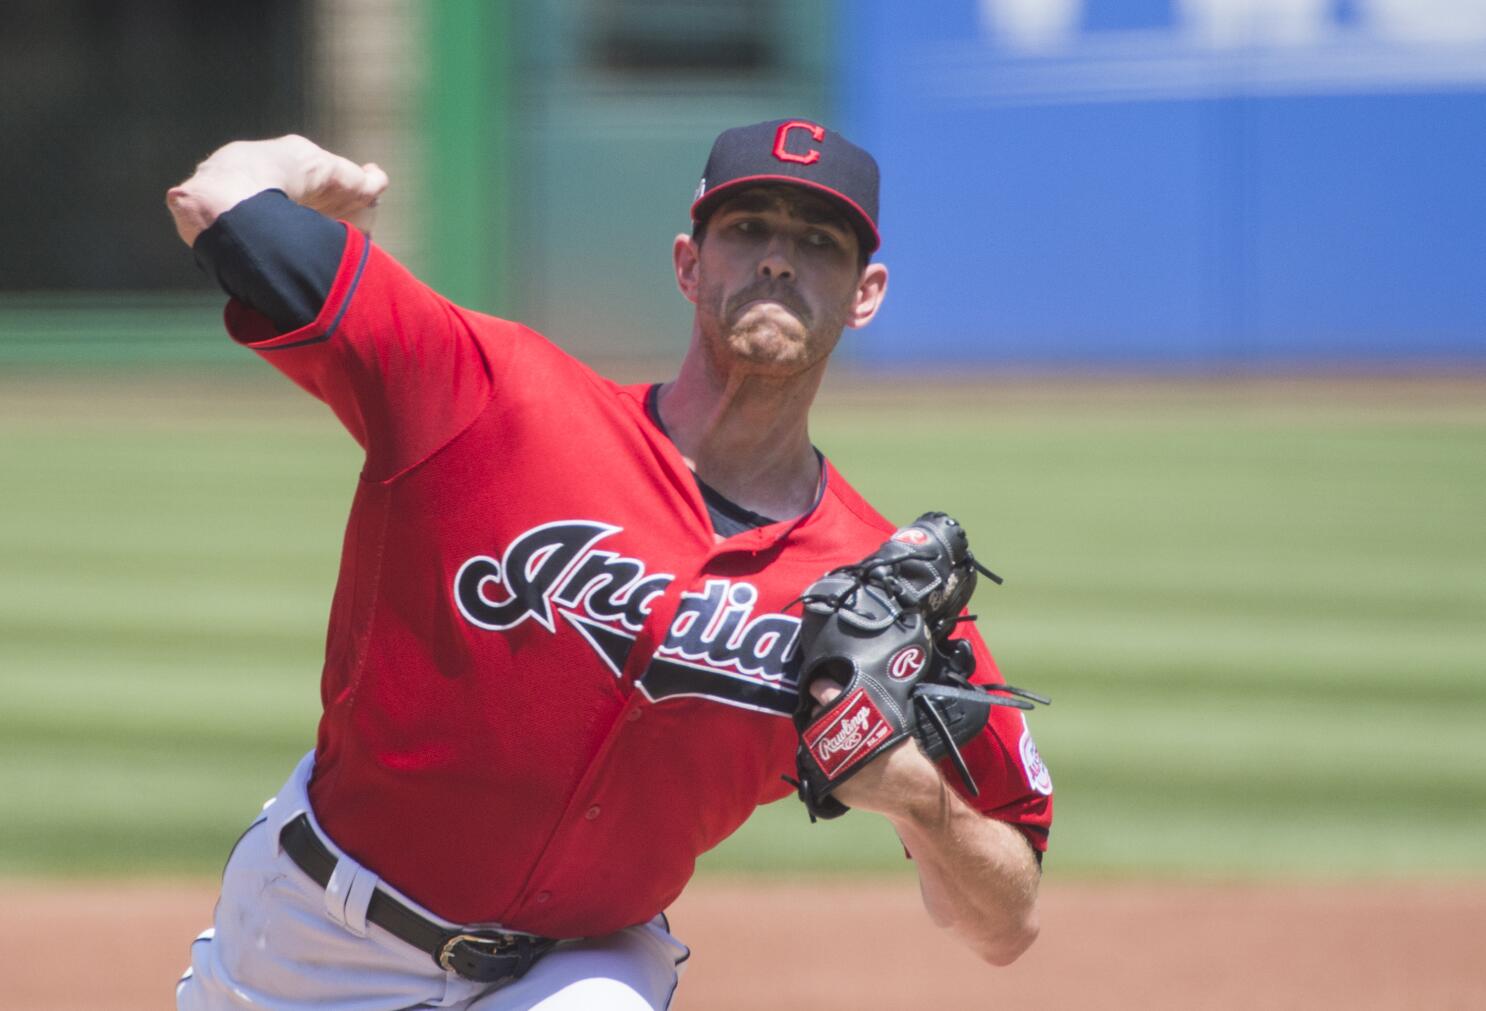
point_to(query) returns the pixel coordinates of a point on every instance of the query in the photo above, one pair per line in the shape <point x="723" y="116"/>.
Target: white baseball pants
<point x="281" y="941"/>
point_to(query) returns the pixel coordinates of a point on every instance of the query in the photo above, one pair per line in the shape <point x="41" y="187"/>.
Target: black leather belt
<point x="485" y="956"/>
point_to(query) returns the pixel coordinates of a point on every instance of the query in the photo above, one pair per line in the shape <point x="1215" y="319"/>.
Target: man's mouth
<point x="764" y="301"/>
<point x="785" y="301"/>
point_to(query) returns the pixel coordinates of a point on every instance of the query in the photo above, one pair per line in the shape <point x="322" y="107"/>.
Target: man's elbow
<point x="1010" y="944"/>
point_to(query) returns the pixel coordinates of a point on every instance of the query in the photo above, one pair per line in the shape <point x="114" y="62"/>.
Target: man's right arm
<point x="306" y="173"/>
<point x="402" y="368"/>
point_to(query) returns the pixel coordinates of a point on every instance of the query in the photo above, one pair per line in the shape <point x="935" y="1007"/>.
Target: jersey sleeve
<point x="404" y="369"/>
<point x="1015" y="785"/>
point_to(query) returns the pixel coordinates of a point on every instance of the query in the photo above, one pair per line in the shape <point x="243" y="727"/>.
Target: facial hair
<point x="774" y="291"/>
<point x="762" y="337"/>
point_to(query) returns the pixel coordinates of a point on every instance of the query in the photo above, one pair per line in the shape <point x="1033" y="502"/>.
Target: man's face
<point x="777" y="278"/>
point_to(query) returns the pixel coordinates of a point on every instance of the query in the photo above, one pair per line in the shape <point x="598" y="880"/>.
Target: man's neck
<point x="746" y="435"/>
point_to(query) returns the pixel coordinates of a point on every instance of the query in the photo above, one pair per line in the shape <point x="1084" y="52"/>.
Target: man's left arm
<point x="978" y="875"/>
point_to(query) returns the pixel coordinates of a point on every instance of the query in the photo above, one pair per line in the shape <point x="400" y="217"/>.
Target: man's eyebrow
<point x="822" y="214"/>
<point x="750" y="202"/>
<point x="811" y="211"/>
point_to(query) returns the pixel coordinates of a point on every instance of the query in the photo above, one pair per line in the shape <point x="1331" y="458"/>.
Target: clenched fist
<point x="306" y="172"/>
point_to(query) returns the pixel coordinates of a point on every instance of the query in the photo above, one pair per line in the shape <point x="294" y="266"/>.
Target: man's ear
<point x="871" y="290"/>
<point x="686" y="256"/>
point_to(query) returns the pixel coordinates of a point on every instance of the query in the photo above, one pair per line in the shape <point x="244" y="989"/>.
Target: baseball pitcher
<point x="583" y="629"/>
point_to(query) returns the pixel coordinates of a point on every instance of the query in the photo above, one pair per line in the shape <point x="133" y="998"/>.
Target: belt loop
<point x="348" y="894"/>
<point x="336" y="889"/>
<point x="358" y="900"/>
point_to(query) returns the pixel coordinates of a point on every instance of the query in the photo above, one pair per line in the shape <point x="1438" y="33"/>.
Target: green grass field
<point x="1262" y="618"/>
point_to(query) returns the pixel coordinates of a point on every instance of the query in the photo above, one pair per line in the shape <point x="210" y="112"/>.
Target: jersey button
<point x="543" y="896"/>
<point x="633" y="714"/>
<point x="591" y="813"/>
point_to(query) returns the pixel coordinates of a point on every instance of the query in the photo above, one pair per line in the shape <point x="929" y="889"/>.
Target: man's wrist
<point x="927" y="809"/>
<point x="230" y="175"/>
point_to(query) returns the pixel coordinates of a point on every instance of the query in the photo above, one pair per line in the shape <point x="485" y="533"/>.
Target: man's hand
<point x="884" y="626"/>
<point x="896" y="783"/>
<point x="307" y="173"/>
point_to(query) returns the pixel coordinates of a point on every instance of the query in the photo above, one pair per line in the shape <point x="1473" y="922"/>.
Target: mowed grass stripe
<point x="192" y="618"/>
<point x="137" y="711"/>
<point x="1317" y="776"/>
<point x="1151" y="835"/>
<point x="1122" y="641"/>
<point x="167" y="808"/>
<point x="1448" y="589"/>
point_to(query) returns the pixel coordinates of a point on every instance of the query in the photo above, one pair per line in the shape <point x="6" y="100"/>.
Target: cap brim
<point x="865" y="227"/>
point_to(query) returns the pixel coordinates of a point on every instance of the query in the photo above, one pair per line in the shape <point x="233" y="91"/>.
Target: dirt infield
<point x="1103" y="946"/>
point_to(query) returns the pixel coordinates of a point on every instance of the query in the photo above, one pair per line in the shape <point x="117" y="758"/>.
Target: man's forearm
<point x="979" y="876"/>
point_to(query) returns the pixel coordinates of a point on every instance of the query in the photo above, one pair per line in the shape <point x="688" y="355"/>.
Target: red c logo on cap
<point x="781" y="136"/>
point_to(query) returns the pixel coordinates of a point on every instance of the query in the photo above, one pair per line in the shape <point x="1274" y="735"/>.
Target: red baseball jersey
<point x="548" y="688"/>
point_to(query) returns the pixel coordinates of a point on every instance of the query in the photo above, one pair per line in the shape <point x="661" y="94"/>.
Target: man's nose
<point x="776" y="263"/>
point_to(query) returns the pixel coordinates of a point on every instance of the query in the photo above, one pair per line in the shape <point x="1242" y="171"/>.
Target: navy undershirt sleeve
<point x="274" y="255"/>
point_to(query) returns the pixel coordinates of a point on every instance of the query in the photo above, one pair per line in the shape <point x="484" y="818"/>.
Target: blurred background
<point x="1186" y="324"/>
<point x="1156" y="184"/>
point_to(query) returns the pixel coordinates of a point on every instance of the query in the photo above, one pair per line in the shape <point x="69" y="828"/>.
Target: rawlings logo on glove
<point x="856" y="727"/>
<point x="880" y="629"/>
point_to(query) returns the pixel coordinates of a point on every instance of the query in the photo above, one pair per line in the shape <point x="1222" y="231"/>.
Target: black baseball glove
<point x="880" y="628"/>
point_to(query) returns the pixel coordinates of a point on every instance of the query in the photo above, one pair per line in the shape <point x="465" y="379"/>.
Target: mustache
<point x="774" y="291"/>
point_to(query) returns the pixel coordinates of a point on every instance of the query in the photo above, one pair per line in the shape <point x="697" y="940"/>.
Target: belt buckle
<point x="497" y="944"/>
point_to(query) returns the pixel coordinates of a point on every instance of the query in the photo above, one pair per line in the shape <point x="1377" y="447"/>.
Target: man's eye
<point x="747" y="226"/>
<point x="820" y="240"/>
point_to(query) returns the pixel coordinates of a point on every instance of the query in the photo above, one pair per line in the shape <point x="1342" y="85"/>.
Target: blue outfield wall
<point x="1183" y="184"/>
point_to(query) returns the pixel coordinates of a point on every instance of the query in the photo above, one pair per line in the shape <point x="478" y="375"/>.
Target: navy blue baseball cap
<point x="796" y="152"/>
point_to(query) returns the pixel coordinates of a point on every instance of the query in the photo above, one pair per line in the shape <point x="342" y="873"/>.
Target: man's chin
<point x="769" y="345"/>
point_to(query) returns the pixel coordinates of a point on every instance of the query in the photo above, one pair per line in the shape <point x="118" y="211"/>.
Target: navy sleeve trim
<point x="336" y="322"/>
<point x="275" y="256"/>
